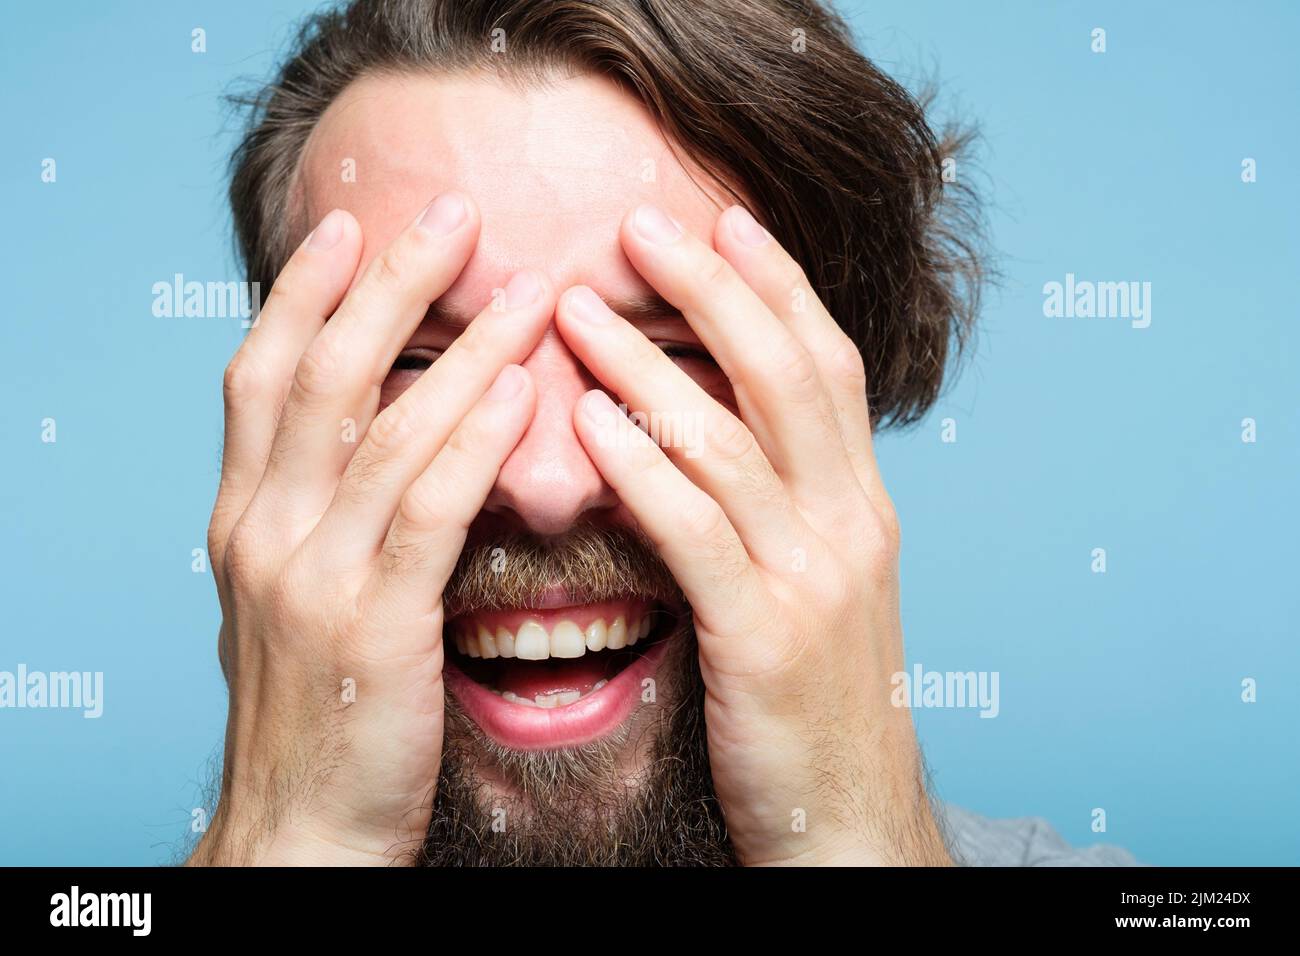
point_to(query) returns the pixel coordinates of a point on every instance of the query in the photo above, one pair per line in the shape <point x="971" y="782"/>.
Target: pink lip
<point x="520" y="727"/>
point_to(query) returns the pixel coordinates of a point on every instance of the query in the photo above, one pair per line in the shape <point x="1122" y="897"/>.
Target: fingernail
<point x="444" y="214"/>
<point x="599" y="409"/>
<point x="509" y="383"/>
<point x="747" y="229"/>
<point x="327" y="233"/>
<point x="587" y="306"/>
<point x="655" y="226"/>
<point x="522" y="289"/>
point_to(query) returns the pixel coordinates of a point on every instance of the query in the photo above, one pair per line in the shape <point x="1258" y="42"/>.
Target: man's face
<point x="574" y="707"/>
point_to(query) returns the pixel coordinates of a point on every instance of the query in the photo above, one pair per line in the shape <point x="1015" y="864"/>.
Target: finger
<point x="307" y="290"/>
<point x="407" y="435"/>
<point x="689" y="529"/>
<point x="704" y="439"/>
<point x="435" y="513"/>
<point x="778" y="389"/>
<point x="781" y="283"/>
<point x="337" y="381"/>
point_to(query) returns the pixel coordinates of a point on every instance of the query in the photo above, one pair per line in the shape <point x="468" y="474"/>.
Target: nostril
<point x="549" y="493"/>
<point x="542" y="516"/>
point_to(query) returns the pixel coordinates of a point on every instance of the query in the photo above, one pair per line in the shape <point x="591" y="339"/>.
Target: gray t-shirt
<point x="974" y="840"/>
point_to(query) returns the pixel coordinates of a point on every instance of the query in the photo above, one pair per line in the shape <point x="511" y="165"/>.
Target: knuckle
<point x="795" y="369"/>
<point x="846" y="364"/>
<point x="284" y="291"/>
<point x="389" y="433"/>
<point x="319" y="370"/>
<point x="417" y="509"/>
<point x="647" y="459"/>
<point x="645" y="354"/>
<point x="747" y="469"/>
<point x="461" y="443"/>
<point x="884" y="548"/>
<point x="731" y="440"/>
<point x="239" y="560"/>
<point x="219" y="527"/>
<point x="711" y="270"/>
<point x="300" y="595"/>
<point x="216" y="539"/>
<point x="241" y="380"/>
<point x="390" y="268"/>
<point x="834" y="588"/>
<point x="703" y="518"/>
<point x="474" y="345"/>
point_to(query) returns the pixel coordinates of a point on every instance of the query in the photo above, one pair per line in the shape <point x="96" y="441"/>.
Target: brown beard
<point x="576" y="807"/>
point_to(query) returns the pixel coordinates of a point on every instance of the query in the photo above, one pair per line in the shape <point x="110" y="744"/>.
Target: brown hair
<point x="833" y="155"/>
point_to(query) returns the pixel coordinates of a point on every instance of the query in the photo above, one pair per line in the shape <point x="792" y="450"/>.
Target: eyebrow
<point x="636" y="309"/>
<point x="645" y="308"/>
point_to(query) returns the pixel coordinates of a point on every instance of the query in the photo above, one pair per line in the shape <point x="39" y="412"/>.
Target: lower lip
<point x="520" y="727"/>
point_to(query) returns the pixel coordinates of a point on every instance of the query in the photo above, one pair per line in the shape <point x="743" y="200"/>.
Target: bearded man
<point x="549" y="528"/>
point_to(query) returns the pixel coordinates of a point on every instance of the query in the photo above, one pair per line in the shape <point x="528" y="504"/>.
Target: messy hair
<point x="769" y="97"/>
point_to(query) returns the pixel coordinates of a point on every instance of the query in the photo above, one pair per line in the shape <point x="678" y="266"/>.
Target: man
<point x="472" y="612"/>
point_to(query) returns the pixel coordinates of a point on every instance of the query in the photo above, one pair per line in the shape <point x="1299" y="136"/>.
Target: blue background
<point x="1119" y="691"/>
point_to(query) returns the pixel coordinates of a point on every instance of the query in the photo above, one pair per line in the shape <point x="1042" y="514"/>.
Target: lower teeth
<point x="549" y="701"/>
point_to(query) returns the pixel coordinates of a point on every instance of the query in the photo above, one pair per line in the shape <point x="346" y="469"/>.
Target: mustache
<point x="589" y="563"/>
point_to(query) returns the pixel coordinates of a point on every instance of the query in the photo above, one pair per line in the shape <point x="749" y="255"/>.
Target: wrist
<point x="913" y="842"/>
<point x="227" y="844"/>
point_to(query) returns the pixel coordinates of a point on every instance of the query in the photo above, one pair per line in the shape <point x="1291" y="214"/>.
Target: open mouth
<point x="556" y="677"/>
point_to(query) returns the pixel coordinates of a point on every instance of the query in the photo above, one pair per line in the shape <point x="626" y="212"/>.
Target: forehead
<point x="554" y="167"/>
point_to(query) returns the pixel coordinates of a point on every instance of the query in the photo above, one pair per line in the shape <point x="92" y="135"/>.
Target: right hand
<point x="331" y="556"/>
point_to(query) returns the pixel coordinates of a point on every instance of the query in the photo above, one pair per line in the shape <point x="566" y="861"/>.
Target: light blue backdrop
<point x="1119" y="691"/>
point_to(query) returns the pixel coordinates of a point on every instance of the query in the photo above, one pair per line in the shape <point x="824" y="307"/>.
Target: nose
<point x="548" y="484"/>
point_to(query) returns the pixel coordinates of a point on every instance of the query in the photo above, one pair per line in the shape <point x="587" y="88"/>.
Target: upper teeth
<point x="531" y="642"/>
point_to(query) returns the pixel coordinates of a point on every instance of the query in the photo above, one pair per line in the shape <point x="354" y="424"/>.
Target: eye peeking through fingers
<point x="407" y="367"/>
<point x="685" y="354"/>
<point x="416" y="359"/>
<point x="700" y="365"/>
<point x="692" y="359"/>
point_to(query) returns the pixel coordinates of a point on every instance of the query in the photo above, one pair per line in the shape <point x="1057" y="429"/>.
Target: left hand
<point x="782" y="537"/>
